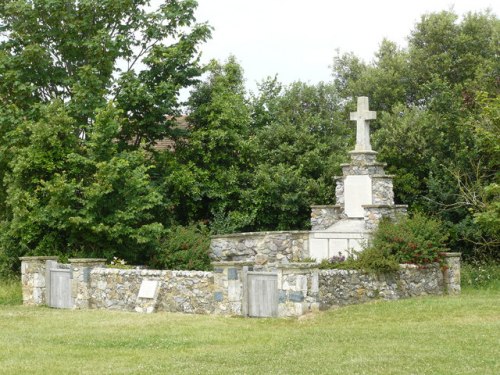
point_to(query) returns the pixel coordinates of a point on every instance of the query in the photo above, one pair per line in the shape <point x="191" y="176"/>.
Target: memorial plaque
<point x="148" y="289"/>
<point x="358" y="192"/>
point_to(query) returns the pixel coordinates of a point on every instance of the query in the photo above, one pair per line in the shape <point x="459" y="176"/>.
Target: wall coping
<point x="235" y="263"/>
<point x="297" y="265"/>
<point x="385" y="206"/>
<point x="38" y="258"/>
<point x="260" y="234"/>
<point x="452" y="255"/>
<point x="373" y="164"/>
<point x="327" y="206"/>
<point x="366" y="152"/>
<point x="86" y="260"/>
<point x="142" y="272"/>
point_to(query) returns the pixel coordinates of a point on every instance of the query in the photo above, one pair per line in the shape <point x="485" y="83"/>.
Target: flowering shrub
<point x="417" y="240"/>
<point x="339" y="262"/>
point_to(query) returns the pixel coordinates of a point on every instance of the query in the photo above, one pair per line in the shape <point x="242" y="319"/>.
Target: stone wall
<point x="261" y="247"/>
<point x="346" y="287"/>
<point x="179" y="291"/>
<point x="302" y="287"/>
<point x="375" y="212"/>
<point x="323" y="217"/>
<point x="33" y="275"/>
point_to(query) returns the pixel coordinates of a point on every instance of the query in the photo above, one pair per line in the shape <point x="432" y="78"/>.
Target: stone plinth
<point x="33" y="274"/>
<point x="261" y="247"/>
<point x="452" y="273"/>
<point x="80" y="283"/>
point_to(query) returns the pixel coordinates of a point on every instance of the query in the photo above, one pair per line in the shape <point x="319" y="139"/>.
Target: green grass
<point x="432" y="335"/>
<point x="10" y="292"/>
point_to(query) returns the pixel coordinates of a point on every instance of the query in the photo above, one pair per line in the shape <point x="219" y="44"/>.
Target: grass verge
<point x="431" y="335"/>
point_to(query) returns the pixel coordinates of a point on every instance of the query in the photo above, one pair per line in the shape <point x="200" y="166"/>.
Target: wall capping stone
<point x="332" y="206"/>
<point x="30" y="258"/>
<point x="247" y="234"/>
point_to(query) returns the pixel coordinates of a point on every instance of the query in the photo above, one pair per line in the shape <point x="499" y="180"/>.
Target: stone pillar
<point x="80" y="283"/>
<point x="33" y="273"/>
<point x="451" y="273"/>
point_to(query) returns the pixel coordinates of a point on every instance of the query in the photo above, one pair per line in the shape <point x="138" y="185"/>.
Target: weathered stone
<point x="261" y="259"/>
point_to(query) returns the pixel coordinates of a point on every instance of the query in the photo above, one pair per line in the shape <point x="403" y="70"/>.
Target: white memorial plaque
<point x="357" y="192"/>
<point x="148" y="289"/>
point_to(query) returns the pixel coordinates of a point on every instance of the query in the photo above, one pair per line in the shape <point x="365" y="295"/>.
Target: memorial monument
<point x="364" y="194"/>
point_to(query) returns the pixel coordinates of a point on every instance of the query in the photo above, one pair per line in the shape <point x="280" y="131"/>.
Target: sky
<point x="298" y="39"/>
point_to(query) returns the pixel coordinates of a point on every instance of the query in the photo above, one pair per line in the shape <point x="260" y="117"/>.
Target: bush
<point x="184" y="248"/>
<point x="415" y="240"/>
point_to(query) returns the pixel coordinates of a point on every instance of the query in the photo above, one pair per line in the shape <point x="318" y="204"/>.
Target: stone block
<point x="296" y="296"/>
<point x="218" y="296"/>
<point x="232" y="274"/>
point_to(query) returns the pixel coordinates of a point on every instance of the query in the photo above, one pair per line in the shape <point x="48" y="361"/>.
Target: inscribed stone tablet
<point x="358" y="191"/>
<point x="148" y="289"/>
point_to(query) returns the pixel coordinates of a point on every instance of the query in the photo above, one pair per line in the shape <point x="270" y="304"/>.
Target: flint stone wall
<point x="179" y="291"/>
<point x="302" y="287"/>
<point x="33" y="274"/>
<point x="347" y="287"/>
<point x="261" y="247"/>
<point x="375" y="212"/>
<point x="323" y="217"/>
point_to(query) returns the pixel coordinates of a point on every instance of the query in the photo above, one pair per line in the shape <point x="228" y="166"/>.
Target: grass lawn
<point x="432" y="335"/>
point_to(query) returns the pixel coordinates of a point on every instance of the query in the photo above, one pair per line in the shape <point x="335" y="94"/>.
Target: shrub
<point x="184" y="248"/>
<point x="417" y="240"/>
<point x="377" y="260"/>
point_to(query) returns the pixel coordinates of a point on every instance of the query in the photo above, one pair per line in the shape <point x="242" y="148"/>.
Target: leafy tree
<point x="84" y="86"/>
<point x="212" y="162"/>
<point x="70" y="197"/>
<point x="300" y="144"/>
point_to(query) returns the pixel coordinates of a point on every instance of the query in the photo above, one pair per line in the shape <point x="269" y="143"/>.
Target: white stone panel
<point x="358" y="192"/>
<point x="148" y="289"/>
<point x="318" y="248"/>
<point x="338" y="245"/>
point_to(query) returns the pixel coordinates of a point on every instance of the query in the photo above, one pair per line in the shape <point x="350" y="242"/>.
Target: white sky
<point x="297" y="39"/>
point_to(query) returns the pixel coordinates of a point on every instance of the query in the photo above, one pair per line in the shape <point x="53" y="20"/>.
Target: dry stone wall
<point x="261" y="247"/>
<point x="346" y="287"/>
<point x="301" y="287"/>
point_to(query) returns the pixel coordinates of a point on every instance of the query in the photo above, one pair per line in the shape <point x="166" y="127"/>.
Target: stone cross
<point x="362" y="118"/>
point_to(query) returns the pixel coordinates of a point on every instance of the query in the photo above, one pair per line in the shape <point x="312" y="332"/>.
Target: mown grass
<point x="431" y="335"/>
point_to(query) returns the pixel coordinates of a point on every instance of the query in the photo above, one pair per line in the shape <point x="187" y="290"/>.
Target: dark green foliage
<point x="85" y="87"/>
<point x="377" y="260"/>
<point x="74" y="198"/>
<point x="416" y="240"/>
<point x="184" y="248"/>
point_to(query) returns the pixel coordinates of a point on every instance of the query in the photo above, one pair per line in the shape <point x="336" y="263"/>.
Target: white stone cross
<point x="362" y="118"/>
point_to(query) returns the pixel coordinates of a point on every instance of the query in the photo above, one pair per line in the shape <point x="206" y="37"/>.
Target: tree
<point x="75" y="198"/>
<point x="300" y="141"/>
<point x="214" y="153"/>
<point x="85" y="86"/>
